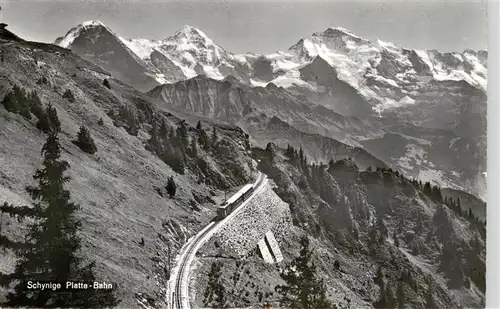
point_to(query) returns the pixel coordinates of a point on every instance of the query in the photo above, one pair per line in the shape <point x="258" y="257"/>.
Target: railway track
<point x="181" y="290"/>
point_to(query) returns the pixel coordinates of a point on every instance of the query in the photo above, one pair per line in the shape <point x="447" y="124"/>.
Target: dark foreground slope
<point x="121" y="187"/>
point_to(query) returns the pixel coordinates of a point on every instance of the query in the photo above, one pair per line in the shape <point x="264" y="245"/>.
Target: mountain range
<point x="427" y="109"/>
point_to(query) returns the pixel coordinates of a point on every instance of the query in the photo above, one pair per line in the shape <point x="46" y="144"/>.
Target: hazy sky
<point x="260" y="26"/>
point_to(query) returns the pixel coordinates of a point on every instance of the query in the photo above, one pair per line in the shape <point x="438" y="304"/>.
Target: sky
<point x="259" y="26"/>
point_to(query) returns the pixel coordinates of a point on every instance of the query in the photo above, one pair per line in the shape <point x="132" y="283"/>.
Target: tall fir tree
<point x="51" y="250"/>
<point x="182" y="134"/>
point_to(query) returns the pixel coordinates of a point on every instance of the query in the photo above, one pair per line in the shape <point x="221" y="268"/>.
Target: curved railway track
<point x="181" y="288"/>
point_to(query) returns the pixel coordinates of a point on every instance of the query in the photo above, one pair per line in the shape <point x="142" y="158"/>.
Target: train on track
<point x="228" y="206"/>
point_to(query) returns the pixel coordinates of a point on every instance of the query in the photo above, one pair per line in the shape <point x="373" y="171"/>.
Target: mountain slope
<point x="121" y="187"/>
<point x="432" y="154"/>
<point x="96" y="42"/>
<point x="370" y="231"/>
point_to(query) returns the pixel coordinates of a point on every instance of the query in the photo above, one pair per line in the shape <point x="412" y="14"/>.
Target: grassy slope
<point x="115" y="186"/>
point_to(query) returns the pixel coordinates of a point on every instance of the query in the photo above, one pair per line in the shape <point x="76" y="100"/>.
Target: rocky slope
<point x="360" y="223"/>
<point x="121" y="187"/>
<point x="430" y="153"/>
<point x="374" y="219"/>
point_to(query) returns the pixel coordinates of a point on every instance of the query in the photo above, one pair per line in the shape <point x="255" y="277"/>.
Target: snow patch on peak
<point x="191" y="33"/>
<point x="388" y="45"/>
<point x="75" y="32"/>
<point x="91" y="23"/>
<point x="141" y="47"/>
<point x="340" y="30"/>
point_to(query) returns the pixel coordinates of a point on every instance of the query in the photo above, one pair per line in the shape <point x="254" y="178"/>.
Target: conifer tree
<point x="390" y="299"/>
<point x="401" y="295"/>
<point x="302" y="289"/>
<point x="215" y="292"/>
<point x="154" y="143"/>
<point x="214" y="137"/>
<point x="48" y="120"/>
<point x="379" y="279"/>
<point x="182" y="134"/>
<point x="52" y="243"/>
<point x="202" y="136"/>
<point x="193" y="149"/>
<point x="430" y="303"/>
<point x="171" y="186"/>
<point x="396" y="240"/>
<point x="53" y="118"/>
<point x="10" y="103"/>
<point x="85" y="142"/>
<point x="106" y="84"/>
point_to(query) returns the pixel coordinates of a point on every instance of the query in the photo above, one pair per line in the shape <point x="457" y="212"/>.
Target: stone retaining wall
<point x="265" y="212"/>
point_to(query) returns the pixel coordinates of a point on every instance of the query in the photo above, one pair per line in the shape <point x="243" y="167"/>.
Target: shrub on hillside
<point x="42" y="81"/>
<point x="171" y="187"/>
<point x="18" y="102"/>
<point x="84" y="141"/>
<point x="106" y="84"/>
<point x="68" y="94"/>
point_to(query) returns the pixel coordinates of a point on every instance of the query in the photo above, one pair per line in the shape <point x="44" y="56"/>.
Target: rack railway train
<point x="228" y="206"/>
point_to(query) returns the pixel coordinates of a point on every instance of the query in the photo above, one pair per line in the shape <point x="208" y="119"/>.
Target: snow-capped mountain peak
<point x="91" y="23"/>
<point x="67" y="40"/>
<point x="337" y="31"/>
<point x="191" y="33"/>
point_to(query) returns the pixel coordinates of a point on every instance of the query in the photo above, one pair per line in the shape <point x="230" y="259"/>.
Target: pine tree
<point x="214" y="137"/>
<point x="430" y="303"/>
<point x="68" y="94"/>
<point x="215" y="292"/>
<point x="396" y="240"/>
<point x="390" y="299"/>
<point x="36" y="106"/>
<point x="202" y="136"/>
<point x="48" y="120"/>
<point x="53" y="119"/>
<point x="106" y="84"/>
<point x="401" y="295"/>
<point x="10" y="103"/>
<point x="182" y="134"/>
<point x="163" y="131"/>
<point x="85" y="142"/>
<point x="52" y="243"/>
<point x="154" y="143"/>
<point x="379" y="279"/>
<point x="171" y="186"/>
<point x="302" y="290"/>
<point x="193" y="149"/>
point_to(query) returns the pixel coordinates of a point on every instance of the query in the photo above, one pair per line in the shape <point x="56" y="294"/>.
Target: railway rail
<point x="180" y="297"/>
